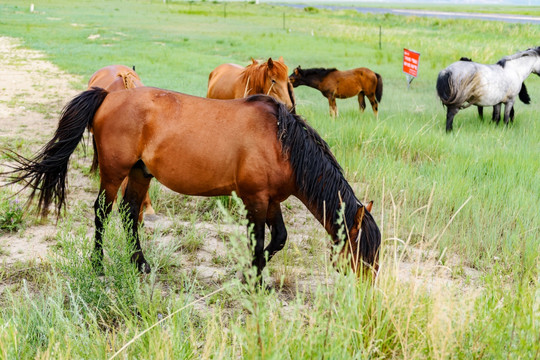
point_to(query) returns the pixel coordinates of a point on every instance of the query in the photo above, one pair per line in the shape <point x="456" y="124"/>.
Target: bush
<point x="11" y="215"/>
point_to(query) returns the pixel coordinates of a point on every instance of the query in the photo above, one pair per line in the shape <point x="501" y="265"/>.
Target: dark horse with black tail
<point x="206" y="147"/>
<point x="466" y="83"/>
<point x="333" y="84"/>
<point x="496" y="116"/>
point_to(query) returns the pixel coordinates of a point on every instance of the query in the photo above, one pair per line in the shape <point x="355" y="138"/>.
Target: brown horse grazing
<point x="231" y="81"/>
<point x="113" y="78"/>
<point x="333" y="84"/>
<point x="196" y="146"/>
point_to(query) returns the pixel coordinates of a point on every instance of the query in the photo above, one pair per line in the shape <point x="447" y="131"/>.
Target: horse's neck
<point x="252" y="80"/>
<point x="314" y="81"/>
<point x="327" y="217"/>
<point x="522" y="67"/>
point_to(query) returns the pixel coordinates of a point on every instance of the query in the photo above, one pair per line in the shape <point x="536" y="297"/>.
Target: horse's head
<point x="297" y="77"/>
<point x="361" y="247"/>
<point x="536" y="66"/>
<point x="276" y="82"/>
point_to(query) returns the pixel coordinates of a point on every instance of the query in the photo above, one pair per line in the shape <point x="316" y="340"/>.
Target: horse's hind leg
<point x="481" y="112"/>
<point x="274" y="220"/>
<point x="496" y="117"/>
<point x="102" y="209"/>
<point x="374" y="104"/>
<point x="146" y="206"/>
<point x="450" y="113"/>
<point x="507" y="110"/>
<point x="361" y="101"/>
<point x="136" y="190"/>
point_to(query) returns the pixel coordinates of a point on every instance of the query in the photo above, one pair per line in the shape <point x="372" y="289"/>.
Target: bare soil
<point x="32" y="94"/>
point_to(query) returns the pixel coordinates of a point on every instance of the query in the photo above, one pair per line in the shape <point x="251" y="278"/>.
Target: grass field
<point x="467" y="200"/>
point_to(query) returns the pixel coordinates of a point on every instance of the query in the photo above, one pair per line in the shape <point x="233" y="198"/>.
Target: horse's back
<point x="470" y="82"/>
<point x="223" y="82"/>
<point x="348" y="83"/>
<point x="192" y="145"/>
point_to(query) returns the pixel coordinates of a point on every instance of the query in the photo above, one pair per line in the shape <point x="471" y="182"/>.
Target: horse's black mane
<point x="529" y="52"/>
<point x="319" y="177"/>
<point x="317" y="72"/>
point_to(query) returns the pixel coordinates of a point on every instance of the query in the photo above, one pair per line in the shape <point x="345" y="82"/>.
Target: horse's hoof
<point x="150" y="217"/>
<point x="144" y="268"/>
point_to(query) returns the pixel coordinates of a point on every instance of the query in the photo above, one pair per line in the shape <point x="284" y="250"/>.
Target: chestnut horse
<point x="333" y="84"/>
<point x="113" y="78"/>
<point x="196" y="146"/>
<point x="231" y="81"/>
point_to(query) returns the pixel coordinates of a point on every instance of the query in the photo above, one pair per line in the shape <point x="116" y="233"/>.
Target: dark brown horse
<point x="196" y="146"/>
<point x="231" y="81"/>
<point x="333" y="84"/>
<point x="113" y="78"/>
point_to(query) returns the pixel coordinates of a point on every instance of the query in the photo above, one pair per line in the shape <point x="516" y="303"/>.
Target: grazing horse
<point x="496" y="116"/>
<point x="113" y="78"/>
<point x="231" y="81"/>
<point x="466" y="83"/>
<point x="333" y="84"/>
<point x="196" y="146"/>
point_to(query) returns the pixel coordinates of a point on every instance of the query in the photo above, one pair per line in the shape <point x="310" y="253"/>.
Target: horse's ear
<point x="281" y="59"/>
<point x="359" y="217"/>
<point x="296" y="71"/>
<point x="270" y="63"/>
<point x="369" y="206"/>
<point x="253" y="61"/>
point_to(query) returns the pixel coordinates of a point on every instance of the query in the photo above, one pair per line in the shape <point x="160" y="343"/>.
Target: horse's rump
<point x="456" y="89"/>
<point x="223" y="80"/>
<point x="115" y="77"/>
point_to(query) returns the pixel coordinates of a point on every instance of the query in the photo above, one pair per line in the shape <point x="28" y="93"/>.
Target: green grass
<point x="418" y="176"/>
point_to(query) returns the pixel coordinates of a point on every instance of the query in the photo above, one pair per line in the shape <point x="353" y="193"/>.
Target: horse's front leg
<point x="507" y="109"/>
<point x="274" y="220"/>
<point x="256" y="215"/>
<point x="333" y="107"/>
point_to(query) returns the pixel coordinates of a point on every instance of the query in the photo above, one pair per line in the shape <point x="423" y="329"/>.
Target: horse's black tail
<point x="524" y="95"/>
<point x="378" y="90"/>
<point x="46" y="173"/>
<point x="444" y="89"/>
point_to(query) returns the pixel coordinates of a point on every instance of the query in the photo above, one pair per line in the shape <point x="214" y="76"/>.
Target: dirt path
<point x="32" y="94"/>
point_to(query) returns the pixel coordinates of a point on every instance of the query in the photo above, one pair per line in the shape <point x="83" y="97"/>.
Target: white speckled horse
<point x="466" y="83"/>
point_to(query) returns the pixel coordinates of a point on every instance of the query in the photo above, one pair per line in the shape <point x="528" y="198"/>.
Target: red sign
<point x="410" y="62"/>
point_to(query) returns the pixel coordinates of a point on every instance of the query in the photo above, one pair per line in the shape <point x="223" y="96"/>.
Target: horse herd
<point x="245" y="137"/>
<point x="254" y="146"/>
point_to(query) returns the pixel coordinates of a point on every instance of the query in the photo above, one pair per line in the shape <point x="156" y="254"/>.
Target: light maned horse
<point x="496" y="115"/>
<point x="466" y="83"/>
<point x="196" y="146"/>
<point x="231" y="81"/>
<point x="333" y="84"/>
<point x="114" y="78"/>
